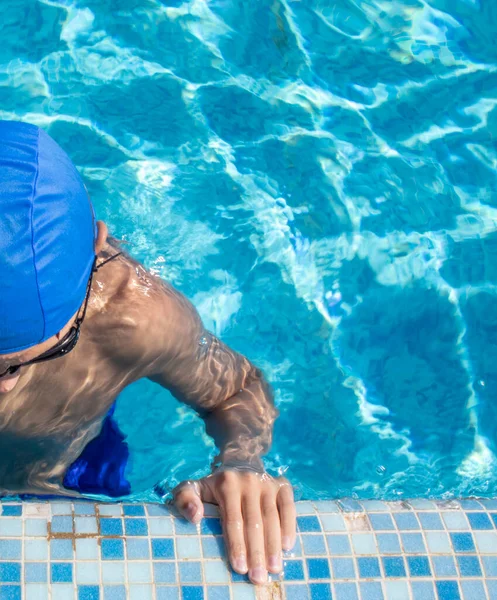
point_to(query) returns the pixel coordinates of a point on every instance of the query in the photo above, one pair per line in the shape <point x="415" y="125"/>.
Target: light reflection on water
<point x="320" y="179"/>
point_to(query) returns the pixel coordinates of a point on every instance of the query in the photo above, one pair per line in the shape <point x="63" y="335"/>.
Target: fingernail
<point x="240" y="564"/>
<point x="287" y="543"/>
<point x="275" y="562"/>
<point x="191" y="511"/>
<point x="258" y="575"/>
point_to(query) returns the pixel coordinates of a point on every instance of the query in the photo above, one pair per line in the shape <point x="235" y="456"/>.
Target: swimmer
<point x="79" y="321"/>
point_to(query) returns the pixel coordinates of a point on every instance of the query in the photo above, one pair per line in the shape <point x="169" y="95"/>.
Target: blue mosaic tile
<point x="371" y="590"/>
<point x="184" y="527"/>
<point x="333" y="522"/>
<point x="448" y="590"/>
<point x="35" y="573"/>
<point x="61" y="525"/>
<point x="343" y="568"/>
<point x="422" y="590"/>
<point x="394" y="566"/>
<point x="157" y="510"/>
<point x="36" y="591"/>
<point x="494" y="518"/>
<point x="338" y="544"/>
<point x="137" y="548"/>
<point x="293" y="592"/>
<point x="10" y="572"/>
<point x="61" y="572"/>
<point x="318" y="568"/>
<point x="293" y="570"/>
<point x="87" y="573"/>
<point x="187" y="547"/>
<point x="213" y="547"/>
<point x="308" y="524"/>
<point x="479" y="520"/>
<point x="388" y="543"/>
<point x="10" y="527"/>
<point x="455" y="521"/>
<point x="345" y="591"/>
<point x="167" y="593"/>
<point x="62" y="591"/>
<point x="381" y="522"/>
<point x="473" y="590"/>
<point x="444" y="566"/>
<point x="413" y="543"/>
<point x="469" y="566"/>
<point x="192" y="592"/>
<point x="10" y="592"/>
<point x="10" y="549"/>
<point x="326" y="506"/>
<point x="211" y="527"/>
<point x="88" y="592"/>
<point x="489" y="503"/>
<point x="438" y="542"/>
<point x="84" y="508"/>
<point x="419" y="566"/>
<point x="369" y="567"/>
<point x="85" y="525"/>
<point x="112" y="549"/>
<point x="165" y="572"/>
<point x="111" y="526"/>
<point x="162" y="548"/>
<point x="314" y="544"/>
<point x="490" y="565"/>
<point x="114" y="592"/>
<point x="35" y="527"/>
<point x="135" y="527"/>
<point x="468" y="504"/>
<point x="11" y="510"/>
<point x="35" y="549"/>
<point x="406" y="521"/>
<point x="364" y="543"/>
<point x="491" y="585"/>
<point x="430" y="521"/>
<point x="238" y="578"/>
<point x="462" y="542"/>
<point x="190" y="572"/>
<point x="218" y="592"/>
<point x="133" y="510"/>
<point x="320" y="591"/>
<point x="88" y="549"/>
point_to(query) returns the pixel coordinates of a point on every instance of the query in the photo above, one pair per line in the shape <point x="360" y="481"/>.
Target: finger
<point x="189" y="503"/>
<point x="272" y="530"/>
<point x="288" y="516"/>
<point x="231" y="518"/>
<point x="254" y="537"/>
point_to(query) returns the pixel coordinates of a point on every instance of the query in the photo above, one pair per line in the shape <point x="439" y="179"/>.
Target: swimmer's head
<point x="47" y="238"/>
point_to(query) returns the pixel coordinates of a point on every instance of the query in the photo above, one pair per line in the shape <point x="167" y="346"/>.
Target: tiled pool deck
<point x="346" y="550"/>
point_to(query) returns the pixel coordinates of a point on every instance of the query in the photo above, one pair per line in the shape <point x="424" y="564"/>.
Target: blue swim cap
<point x="47" y="236"/>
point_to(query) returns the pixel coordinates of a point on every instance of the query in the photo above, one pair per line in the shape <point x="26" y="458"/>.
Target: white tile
<point x="37" y="510"/>
<point x="112" y="572"/>
<point x="87" y="549"/>
<point x="87" y="572"/>
<point x="140" y="592"/>
<point x="139" y="572"/>
<point x="35" y="549"/>
<point x="110" y="510"/>
<point x="36" y="591"/>
<point x="85" y="525"/>
<point x="63" y="591"/>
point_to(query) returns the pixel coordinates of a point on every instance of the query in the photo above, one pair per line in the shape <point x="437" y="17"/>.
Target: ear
<point x="102" y="233"/>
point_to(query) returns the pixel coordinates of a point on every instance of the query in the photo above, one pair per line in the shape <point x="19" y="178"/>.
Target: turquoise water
<point x="320" y="179"/>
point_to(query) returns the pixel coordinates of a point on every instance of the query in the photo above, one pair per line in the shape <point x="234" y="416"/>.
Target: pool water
<point x="320" y="179"/>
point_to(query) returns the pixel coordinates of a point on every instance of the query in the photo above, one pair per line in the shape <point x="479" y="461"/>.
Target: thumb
<point x="188" y="502"/>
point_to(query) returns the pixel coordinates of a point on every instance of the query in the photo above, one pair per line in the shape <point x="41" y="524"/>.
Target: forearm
<point x="242" y="426"/>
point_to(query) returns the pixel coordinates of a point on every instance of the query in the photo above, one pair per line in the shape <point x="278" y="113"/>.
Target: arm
<point x="236" y="403"/>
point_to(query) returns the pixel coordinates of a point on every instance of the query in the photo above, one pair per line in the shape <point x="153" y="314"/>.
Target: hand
<point x="257" y="513"/>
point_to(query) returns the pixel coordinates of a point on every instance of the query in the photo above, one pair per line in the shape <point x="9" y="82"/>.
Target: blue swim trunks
<point x="101" y="467"/>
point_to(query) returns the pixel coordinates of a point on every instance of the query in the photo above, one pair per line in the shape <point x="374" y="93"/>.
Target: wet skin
<point x="138" y="326"/>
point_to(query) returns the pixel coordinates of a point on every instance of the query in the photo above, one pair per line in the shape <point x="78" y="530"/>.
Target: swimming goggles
<point x="69" y="341"/>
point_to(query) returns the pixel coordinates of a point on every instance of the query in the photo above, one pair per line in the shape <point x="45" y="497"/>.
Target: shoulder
<point x="137" y="316"/>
